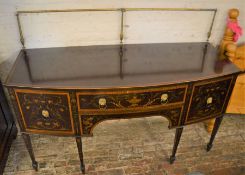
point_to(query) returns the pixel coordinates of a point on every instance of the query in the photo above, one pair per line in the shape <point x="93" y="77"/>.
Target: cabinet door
<point x="208" y="99"/>
<point x="43" y="111"/>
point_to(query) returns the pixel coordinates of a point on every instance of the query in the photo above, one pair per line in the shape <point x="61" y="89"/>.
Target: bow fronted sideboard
<point x="68" y="91"/>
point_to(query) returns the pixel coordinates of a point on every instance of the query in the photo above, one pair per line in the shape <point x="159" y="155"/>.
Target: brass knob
<point x="102" y="101"/>
<point x="209" y="100"/>
<point x="164" y="97"/>
<point x="45" y="113"/>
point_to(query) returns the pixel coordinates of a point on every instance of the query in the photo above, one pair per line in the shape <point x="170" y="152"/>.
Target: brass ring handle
<point x="164" y="97"/>
<point x="45" y="113"/>
<point x="102" y="101"/>
<point x="210" y="100"/>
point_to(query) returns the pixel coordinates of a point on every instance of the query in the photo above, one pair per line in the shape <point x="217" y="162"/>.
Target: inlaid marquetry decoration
<point x="45" y="110"/>
<point x="125" y="100"/>
<point x="88" y="122"/>
<point x="208" y="99"/>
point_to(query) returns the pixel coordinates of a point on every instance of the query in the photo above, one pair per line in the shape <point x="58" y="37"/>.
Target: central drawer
<point x="141" y="99"/>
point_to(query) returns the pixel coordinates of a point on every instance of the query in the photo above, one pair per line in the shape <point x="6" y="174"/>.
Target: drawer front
<point x="208" y="99"/>
<point x="131" y="99"/>
<point x="45" y="111"/>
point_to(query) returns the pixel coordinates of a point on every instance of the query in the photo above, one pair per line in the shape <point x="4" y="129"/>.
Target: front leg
<point x="178" y="134"/>
<point x="80" y="152"/>
<point x="28" y="144"/>
<point x="214" y="132"/>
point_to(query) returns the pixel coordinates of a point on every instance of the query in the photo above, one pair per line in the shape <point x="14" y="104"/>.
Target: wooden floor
<point x="237" y="102"/>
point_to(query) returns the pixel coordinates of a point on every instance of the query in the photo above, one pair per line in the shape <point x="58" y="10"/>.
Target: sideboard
<point x="67" y="91"/>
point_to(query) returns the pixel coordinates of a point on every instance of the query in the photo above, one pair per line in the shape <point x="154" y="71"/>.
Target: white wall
<point x="90" y="28"/>
<point x="50" y="30"/>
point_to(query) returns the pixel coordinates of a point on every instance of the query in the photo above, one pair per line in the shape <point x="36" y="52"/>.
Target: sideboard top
<point x="113" y="66"/>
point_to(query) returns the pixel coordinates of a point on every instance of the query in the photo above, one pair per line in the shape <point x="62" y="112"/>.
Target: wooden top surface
<point x="141" y="65"/>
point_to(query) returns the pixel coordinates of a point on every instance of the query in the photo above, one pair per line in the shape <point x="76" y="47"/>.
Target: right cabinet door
<point x="208" y="99"/>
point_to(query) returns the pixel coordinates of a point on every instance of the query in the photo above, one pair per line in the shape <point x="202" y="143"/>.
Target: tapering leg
<point x="28" y="144"/>
<point x="80" y="151"/>
<point x="214" y="132"/>
<point x="176" y="143"/>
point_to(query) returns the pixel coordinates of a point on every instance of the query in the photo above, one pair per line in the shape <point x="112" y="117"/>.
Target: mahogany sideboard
<point x="67" y="91"/>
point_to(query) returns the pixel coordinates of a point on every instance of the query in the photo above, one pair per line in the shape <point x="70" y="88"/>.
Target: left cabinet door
<point x="45" y="111"/>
